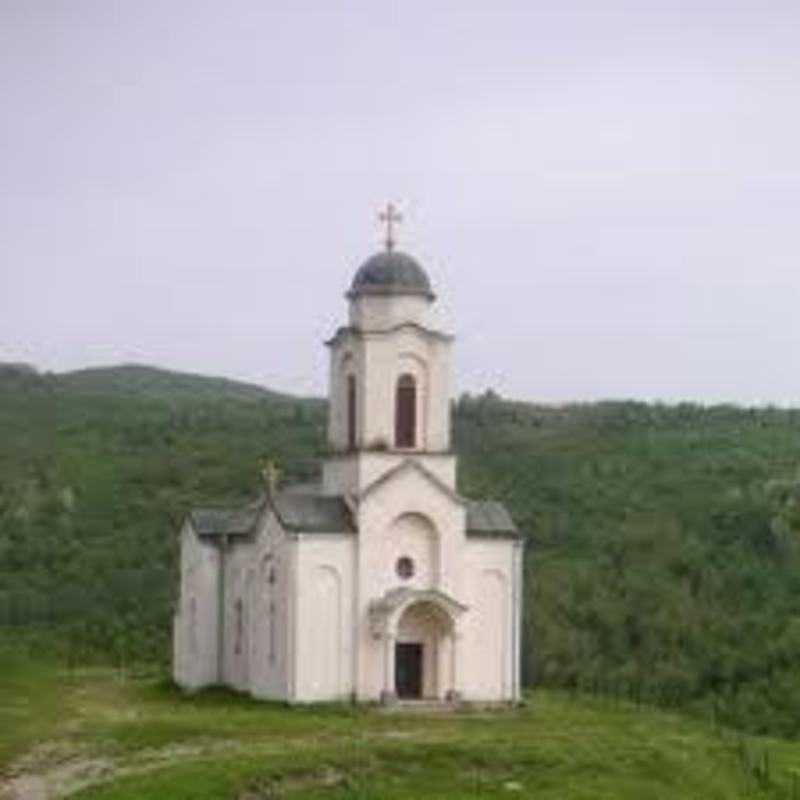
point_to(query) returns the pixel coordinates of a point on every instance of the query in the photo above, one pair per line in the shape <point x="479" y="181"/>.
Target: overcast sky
<point x="605" y="193"/>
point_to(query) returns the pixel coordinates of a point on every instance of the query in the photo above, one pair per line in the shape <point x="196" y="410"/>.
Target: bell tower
<point x="389" y="385"/>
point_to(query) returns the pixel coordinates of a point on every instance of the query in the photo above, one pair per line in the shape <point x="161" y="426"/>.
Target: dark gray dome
<point x="391" y="272"/>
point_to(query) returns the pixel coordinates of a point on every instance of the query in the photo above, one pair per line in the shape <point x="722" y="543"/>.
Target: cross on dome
<point x="390" y="216"/>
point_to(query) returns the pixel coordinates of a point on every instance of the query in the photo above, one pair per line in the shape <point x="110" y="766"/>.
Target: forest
<point x="662" y="541"/>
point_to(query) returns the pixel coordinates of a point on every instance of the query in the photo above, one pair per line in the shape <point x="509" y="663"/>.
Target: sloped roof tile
<point x="232" y="521"/>
<point x="490" y="518"/>
<point x="306" y="510"/>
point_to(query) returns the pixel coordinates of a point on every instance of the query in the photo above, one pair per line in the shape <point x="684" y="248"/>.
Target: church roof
<point x="300" y="509"/>
<point x="305" y="510"/>
<point x="391" y="272"/>
<point x="491" y="519"/>
<point x="232" y="521"/>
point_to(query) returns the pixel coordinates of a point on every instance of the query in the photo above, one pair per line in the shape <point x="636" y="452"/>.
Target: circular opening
<point x="405" y="568"/>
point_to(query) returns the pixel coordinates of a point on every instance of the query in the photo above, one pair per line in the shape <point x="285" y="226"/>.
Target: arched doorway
<point x="419" y="631"/>
<point x="424" y="631"/>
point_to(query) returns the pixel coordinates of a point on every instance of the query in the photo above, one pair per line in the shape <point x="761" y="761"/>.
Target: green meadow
<point x="97" y="733"/>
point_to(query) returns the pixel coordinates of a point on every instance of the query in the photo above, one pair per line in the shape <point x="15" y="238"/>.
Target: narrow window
<point x="405" y="429"/>
<point x="351" y="412"/>
<point x="193" y="648"/>
<point x="271" y="580"/>
<point x="237" y="648"/>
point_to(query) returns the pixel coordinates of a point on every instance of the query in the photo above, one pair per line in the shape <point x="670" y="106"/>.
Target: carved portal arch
<point x="420" y="633"/>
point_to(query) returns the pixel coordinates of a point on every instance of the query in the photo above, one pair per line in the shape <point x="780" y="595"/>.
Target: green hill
<point x="662" y="548"/>
<point x="162" y="384"/>
<point x="88" y="734"/>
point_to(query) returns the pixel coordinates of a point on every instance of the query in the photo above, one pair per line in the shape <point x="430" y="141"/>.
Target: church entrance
<point x="408" y="670"/>
<point x="419" y="653"/>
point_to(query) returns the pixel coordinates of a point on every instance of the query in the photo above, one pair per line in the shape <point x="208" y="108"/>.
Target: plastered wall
<point x="357" y="471"/>
<point x="489" y="629"/>
<point x="325" y="654"/>
<point x="270" y="621"/>
<point x="381" y="312"/>
<point x="195" y="621"/>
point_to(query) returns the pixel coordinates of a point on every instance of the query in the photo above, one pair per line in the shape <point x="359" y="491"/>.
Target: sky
<point x="605" y="195"/>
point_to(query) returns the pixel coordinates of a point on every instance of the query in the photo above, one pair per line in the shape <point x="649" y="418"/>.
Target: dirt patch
<point x="53" y="770"/>
<point x="56" y="781"/>
<point x="25" y="787"/>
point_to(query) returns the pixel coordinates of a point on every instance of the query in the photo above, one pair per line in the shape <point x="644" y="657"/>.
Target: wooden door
<point x="408" y="670"/>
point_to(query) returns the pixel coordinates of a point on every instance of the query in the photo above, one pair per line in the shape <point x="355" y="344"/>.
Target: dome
<point x="391" y="272"/>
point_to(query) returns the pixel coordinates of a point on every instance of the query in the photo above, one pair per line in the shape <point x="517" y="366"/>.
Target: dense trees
<point x="664" y="544"/>
<point x="663" y="556"/>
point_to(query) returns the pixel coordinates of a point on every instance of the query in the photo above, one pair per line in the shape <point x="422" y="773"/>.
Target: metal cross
<point x="390" y="216"/>
<point x="271" y="475"/>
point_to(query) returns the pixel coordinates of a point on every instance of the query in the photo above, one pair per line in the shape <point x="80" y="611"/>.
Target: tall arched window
<point x="405" y="419"/>
<point x="271" y="581"/>
<point x="193" y="648"/>
<point x="351" y="411"/>
<point x="237" y="647"/>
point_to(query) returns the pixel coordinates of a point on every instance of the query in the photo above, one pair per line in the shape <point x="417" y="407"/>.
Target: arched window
<point x="237" y="647"/>
<point x="193" y="648"/>
<point x="351" y="412"/>
<point x="272" y="579"/>
<point x="405" y="420"/>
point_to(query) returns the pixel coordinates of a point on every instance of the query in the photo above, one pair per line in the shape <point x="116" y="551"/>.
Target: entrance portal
<point x="417" y="628"/>
<point x="408" y="670"/>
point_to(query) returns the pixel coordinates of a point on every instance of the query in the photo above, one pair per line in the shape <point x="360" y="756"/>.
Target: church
<point x="380" y="583"/>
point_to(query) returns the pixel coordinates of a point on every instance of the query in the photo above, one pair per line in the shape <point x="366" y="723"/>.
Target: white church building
<point x="381" y="583"/>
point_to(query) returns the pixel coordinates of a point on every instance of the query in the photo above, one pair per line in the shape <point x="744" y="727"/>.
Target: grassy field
<point x="93" y="734"/>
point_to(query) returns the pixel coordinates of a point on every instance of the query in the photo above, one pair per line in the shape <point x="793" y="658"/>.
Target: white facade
<point x="382" y="582"/>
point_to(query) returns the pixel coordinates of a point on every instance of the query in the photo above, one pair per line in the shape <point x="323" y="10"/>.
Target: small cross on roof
<point x="390" y="216"/>
<point x="271" y="475"/>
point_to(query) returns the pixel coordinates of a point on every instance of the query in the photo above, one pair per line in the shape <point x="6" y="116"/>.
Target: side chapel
<point x="382" y="582"/>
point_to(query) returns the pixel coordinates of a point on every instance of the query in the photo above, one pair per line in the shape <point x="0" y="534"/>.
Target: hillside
<point x="662" y="540"/>
<point x="161" y="384"/>
<point x="89" y="734"/>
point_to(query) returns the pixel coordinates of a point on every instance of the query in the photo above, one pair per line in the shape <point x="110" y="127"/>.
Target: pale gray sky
<point x="606" y="194"/>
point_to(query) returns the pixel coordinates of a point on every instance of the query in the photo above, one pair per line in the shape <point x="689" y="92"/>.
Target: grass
<point x="29" y="699"/>
<point x="91" y="734"/>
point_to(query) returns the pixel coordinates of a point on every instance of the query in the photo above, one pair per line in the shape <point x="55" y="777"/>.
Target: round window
<point x="405" y="568"/>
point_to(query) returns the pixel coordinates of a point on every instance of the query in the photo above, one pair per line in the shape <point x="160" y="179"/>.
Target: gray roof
<point x="303" y="510"/>
<point x="312" y="513"/>
<point x="391" y="272"/>
<point x="299" y="509"/>
<point x="233" y="521"/>
<point x="490" y="518"/>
